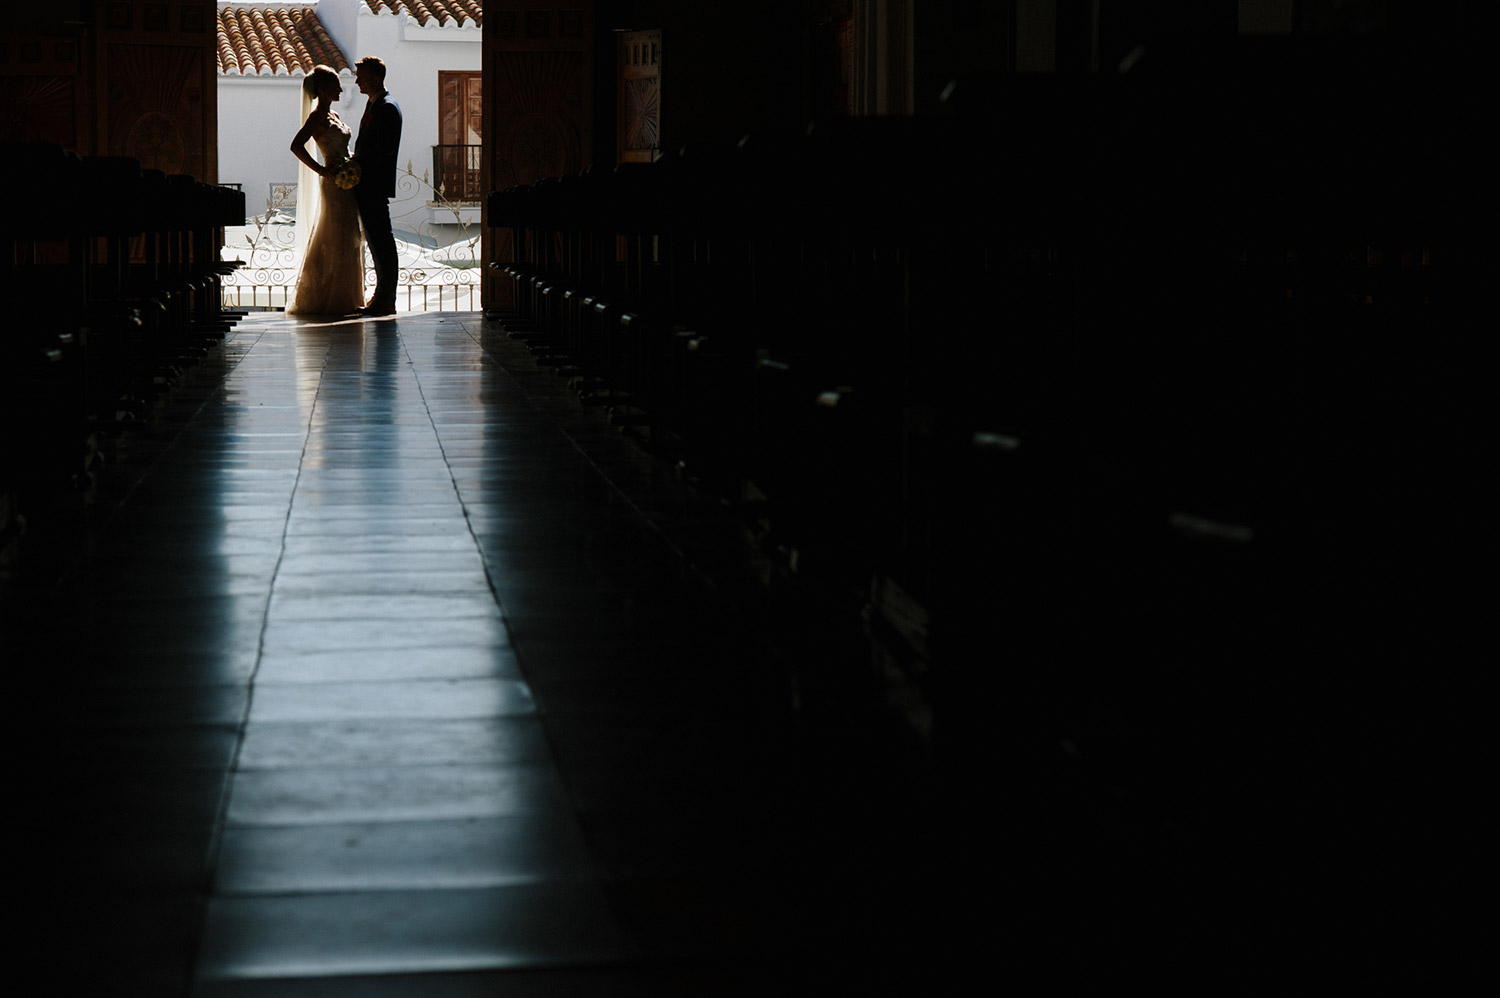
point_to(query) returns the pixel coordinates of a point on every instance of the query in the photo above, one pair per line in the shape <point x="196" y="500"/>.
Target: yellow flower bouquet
<point x="347" y="175"/>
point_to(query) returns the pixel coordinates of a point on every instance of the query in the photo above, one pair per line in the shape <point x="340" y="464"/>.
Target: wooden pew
<point x="113" y="294"/>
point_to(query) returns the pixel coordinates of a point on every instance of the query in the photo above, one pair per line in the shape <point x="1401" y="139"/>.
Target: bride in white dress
<point x="331" y="281"/>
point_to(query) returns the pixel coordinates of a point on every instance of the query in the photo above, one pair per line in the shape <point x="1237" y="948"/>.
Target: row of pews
<point x="1146" y="409"/>
<point x="110" y="277"/>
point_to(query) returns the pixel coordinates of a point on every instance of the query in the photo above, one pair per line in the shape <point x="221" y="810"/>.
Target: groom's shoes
<point x="376" y="308"/>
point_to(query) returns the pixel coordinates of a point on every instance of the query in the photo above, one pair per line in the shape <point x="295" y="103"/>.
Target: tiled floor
<point x="382" y="667"/>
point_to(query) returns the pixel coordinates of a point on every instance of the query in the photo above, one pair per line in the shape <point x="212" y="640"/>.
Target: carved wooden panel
<point x="39" y="109"/>
<point x="157" y="88"/>
<point x="42" y="86"/>
<point x="536" y="117"/>
<point x="155" y="107"/>
<point x="116" y="77"/>
<point x="538" y="103"/>
<point x="639" y="90"/>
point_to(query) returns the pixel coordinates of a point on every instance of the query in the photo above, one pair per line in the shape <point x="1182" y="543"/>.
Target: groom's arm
<point x="390" y="127"/>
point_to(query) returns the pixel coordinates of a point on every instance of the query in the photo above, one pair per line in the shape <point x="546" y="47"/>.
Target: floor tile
<point x="167" y="664"/>
<point x="377" y="932"/>
<point x="138" y="860"/>
<point x="395" y="742"/>
<point x="332" y="635"/>
<point x="519" y="982"/>
<point x="137" y="799"/>
<point x="366" y="606"/>
<point x="362" y="508"/>
<point x="361" y="531"/>
<point x="407" y="700"/>
<point x="380" y="565"/>
<point x="213" y="609"/>
<point x="388" y="685"/>
<point x="158" y="706"/>
<point x="454" y="541"/>
<point x="349" y="583"/>
<point x="145" y="945"/>
<point x="207" y="746"/>
<point x="387" y="664"/>
<point x="392" y="793"/>
<point x="179" y="629"/>
<point x="238" y="579"/>
<point x="406" y="855"/>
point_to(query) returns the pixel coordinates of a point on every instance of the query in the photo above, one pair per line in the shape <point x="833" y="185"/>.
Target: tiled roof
<point x="444" y="12"/>
<point x="274" y="42"/>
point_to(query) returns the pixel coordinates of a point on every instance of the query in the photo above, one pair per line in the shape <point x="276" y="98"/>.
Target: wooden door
<point x="460" y="135"/>
<point x="159" y="96"/>
<point x="639" y="89"/>
<point x="539" y="105"/>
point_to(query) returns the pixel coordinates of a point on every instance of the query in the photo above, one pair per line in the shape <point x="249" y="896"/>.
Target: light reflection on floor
<point x="384" y="688"/>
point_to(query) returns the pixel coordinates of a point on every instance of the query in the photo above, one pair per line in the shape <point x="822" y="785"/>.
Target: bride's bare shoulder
<point x="316" y="124"/>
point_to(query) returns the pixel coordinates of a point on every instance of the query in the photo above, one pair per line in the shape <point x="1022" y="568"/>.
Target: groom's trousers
<point x="375" y="217"/>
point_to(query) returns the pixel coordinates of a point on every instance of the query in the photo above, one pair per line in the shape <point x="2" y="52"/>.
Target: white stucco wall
<point x="339" y="18"/>
<point x="258" y="116"/>
<point x="413" y="57"/>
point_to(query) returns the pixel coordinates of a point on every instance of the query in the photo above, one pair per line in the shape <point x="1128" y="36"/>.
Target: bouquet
<point x="347" y="175"/>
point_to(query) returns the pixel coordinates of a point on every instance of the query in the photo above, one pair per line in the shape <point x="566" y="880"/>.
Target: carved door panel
<point x="158" y="96"/>
<point x="43" y="108"/>
<point x="154" y="107"/>
<point x="537" y="128"/>
<point x="538" y="105"/>
<point x="639" y="89"/>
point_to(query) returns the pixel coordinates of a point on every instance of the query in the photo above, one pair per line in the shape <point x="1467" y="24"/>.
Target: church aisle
<point x="388" y="684"/>
<point x="394" y="806"/>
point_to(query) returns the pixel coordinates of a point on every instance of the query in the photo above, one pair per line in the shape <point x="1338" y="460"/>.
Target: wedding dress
<point x="331" y="281"/>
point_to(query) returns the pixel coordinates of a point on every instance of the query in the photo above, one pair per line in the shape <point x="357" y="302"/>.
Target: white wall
<point x="259" y="115"/>
<point x="257" y="118"/>
<point x="413" y="56"/>
<point x="340" y="18"/>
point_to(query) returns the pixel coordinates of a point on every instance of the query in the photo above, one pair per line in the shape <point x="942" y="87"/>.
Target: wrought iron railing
<point x="267" y="277"/>
<point x="418" y="289"/>
<point x="455" y="173"/>
<point x="437" y="242"/>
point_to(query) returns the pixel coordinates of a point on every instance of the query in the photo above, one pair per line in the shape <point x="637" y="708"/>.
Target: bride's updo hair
<point x="313" y="82"/>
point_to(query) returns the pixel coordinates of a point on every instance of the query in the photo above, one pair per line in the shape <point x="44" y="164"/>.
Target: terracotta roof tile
<point x="445" y="12"/>
<point x="274" y="41"/>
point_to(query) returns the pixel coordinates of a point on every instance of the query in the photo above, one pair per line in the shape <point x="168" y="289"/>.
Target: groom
<point x="375" y="149"/>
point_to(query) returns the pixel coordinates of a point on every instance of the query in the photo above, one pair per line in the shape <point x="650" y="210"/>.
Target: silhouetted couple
<point x="354" y="191"/>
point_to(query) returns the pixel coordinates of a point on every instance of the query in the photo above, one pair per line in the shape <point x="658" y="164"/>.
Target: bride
<point x="331" y="281"/>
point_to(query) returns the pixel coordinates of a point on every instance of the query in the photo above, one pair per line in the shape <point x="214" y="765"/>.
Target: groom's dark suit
<point x="376" y="148"/>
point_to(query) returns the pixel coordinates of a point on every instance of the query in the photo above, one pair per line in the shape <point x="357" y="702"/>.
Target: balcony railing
<point x="455" y="173"/>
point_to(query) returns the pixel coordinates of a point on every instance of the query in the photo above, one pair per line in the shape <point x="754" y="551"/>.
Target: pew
<point x="1140" y="413"/>
<point x="114" y="294"/>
